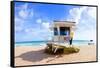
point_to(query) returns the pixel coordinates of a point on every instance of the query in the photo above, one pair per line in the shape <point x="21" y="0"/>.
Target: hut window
<point x="55" y="31"/>
<point x="64" y="31"/>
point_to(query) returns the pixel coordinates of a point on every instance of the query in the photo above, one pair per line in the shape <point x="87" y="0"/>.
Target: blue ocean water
<point x="42" y="43"/>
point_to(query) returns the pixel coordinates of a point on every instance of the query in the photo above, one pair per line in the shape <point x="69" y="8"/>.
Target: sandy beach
<point x="30" y="55"/>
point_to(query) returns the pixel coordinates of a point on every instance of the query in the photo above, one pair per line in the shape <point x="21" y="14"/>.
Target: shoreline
<point x="43" y="45"/>
<point x="31" y="55"/>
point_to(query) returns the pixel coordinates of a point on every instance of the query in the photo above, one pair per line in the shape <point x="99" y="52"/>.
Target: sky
<point x="33" y="20"/>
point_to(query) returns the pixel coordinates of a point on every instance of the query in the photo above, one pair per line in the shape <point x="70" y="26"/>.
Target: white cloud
<point x="39" y="32"/>
<point x="46" y="25"/>
<point x="85" y="18"/>
<point x="25" y="6"/>
<point x="18" y="29"/>
<point x="75" y="14"/>
<point x="39" y="21"/>
<point x="27" y="30"/>
<point x="31" y="13"/>
<point x="30" y="31"/>
<point x="18" y="24"/>
<point x="92" y="12"/>
<point x="85" y="35"/>
<point x="25" y="12"/>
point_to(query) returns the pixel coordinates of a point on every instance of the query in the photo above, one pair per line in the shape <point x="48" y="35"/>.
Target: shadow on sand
<point x="35" y="56"/>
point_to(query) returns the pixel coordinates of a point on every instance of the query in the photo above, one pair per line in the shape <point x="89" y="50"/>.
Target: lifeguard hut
<point x="61" y="30"/>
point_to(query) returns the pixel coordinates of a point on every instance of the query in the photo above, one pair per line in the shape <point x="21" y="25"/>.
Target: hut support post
<point x="58" y="29"/>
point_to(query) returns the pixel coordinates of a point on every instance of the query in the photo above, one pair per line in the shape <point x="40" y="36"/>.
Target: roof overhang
<point x="63" y="24"/>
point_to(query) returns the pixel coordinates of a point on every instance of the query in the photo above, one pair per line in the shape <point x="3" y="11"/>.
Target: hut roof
<point x="63" y="23"/>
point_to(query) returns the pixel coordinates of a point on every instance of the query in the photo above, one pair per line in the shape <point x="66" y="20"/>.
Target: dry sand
<point x="29" y="55"/>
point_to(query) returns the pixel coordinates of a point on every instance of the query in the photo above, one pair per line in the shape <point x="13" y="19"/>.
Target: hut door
<point x="65" y="32"/>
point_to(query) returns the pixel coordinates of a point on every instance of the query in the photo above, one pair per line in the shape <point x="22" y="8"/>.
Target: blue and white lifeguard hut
<point x="61" y="30"/>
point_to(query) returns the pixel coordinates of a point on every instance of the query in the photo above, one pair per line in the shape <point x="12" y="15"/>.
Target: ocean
<point x="43" y="43"/>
